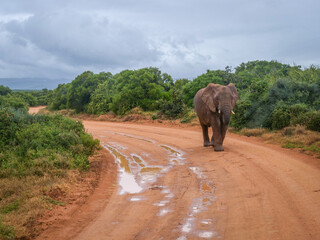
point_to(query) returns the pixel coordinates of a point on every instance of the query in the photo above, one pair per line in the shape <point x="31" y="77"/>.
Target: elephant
<point x="214" y="105"/>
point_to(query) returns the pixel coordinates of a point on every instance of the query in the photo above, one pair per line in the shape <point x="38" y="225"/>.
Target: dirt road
<point x="171" y="187"/>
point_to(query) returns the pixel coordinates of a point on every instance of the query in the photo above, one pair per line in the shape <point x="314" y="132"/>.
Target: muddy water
<point x="137" y="173"/>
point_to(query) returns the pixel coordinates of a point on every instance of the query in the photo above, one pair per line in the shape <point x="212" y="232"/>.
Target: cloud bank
<point x="61" y="39"/>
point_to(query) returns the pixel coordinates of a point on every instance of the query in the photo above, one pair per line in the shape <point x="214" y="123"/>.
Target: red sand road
<point x="171" y="187"/>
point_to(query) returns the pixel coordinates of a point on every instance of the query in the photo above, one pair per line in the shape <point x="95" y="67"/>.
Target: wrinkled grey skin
<point x="208" y="102"/>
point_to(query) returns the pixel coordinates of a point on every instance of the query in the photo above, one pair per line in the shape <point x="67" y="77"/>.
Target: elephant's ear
<point x="208" y="96"/>
<point x="234" y="93"/>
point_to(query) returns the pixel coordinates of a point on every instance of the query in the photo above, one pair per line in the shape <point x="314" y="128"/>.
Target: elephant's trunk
<point x="225" y="115"/>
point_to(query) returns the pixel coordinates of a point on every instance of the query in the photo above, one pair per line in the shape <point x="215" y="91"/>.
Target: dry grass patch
<point x="23" y="201"/>
<point x="296" y="137"/>
<point x="255" y="132"/>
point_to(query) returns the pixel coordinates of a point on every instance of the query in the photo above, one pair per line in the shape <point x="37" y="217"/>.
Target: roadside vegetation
<point x="38" y="153"/>
<point x="272" y="95"/>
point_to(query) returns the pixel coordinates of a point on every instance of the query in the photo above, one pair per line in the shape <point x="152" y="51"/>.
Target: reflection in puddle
<point x="128" y="183"/>
<point x="135" y="199"/>
<point x="127" y="180"/>
<point x="207" y="234"/>
<point x="187" y="227"/>
<point x="121" y="159"/>
<point x="163" y="212"/>
<point x="161" y="203"/>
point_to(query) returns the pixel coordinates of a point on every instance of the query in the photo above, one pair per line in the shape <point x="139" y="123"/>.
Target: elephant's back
<point x="197" y="101"/>
<point x="201" y="108"/>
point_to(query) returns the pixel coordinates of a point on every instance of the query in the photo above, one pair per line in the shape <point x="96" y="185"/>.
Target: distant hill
<point x="32" y="83"/>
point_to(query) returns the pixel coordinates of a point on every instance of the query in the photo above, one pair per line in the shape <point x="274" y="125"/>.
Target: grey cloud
<point x="83" y="39"/>
<point x="183" y="38"/>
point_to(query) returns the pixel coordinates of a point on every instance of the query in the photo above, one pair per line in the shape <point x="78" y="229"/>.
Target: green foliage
<point x="313" y="120"/>
<point x="7" y="232"/>
<point x="174" y="106"/>
<point x="271" y="94"/>
<point x="40" y="144"/>
<point x="140" y="88"/>
<point x="101" y="98"/>
<point x="58" y="100"/>
<point x="78" y="96"/>
<point x="4" y="90"/>
<point x="275" y="95"/>
<point x="280" y="117"/>
<point x="13" y="206"/>
<point x="12" y="101"/>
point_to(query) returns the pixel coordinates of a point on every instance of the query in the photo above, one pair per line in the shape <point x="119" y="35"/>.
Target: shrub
<point x="313" y="120"/>
<point x="280" y="117"/>
<point x="39" y="144"/>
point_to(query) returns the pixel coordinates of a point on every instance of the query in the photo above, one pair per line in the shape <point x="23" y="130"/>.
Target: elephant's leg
<point x="217" y="136"/>
<point x="206" y="142"/>
<point x="224" y="129"/>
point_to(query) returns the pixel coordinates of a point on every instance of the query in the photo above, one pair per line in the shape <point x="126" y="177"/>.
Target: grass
<point x="294" y="137"/>
<point x="7" y="232"/>
<point x="23" y="201"/>
<point x="39" y="157"/>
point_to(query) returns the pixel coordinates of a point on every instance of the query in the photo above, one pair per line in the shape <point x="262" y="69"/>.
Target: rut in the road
<point x="136" y="175"/>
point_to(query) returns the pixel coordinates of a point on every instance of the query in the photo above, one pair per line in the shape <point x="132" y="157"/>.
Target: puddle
<point x="161" y="203"/>
<point x="117" y="146"/>
<point x="163" y="212"/>
<point x="128" y="183"/>
<point x="205" y="187"/>
<point x="138" y="160"/>
<point x="187" y="227"/>
<point x="175" y="155"/>
<point x="170" y="149"/>
<point x="182" y="238"/>
<point x="165" y="191"/>
<point x="136" y="199"/>
<point x="136" y="137"/>
<point x="200" y="204"/>
<point x="170" y="195"/>
<point x="150" y="170"/>
<point x="197" y="171"/>
<point x="206" y="234"/>
<point x="126" y="180"/>
<point x="102" y="136"/>
<point x="121" y="159"/>
<point x="206" y="221"/>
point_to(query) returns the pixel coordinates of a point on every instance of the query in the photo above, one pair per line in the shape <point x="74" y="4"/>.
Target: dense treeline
<point x="23" y="99"/>
<point x="272" y="95"/>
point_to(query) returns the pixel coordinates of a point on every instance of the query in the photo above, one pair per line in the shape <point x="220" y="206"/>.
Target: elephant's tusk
<point x="232" y="112"/>
<point x="219" y="111"/>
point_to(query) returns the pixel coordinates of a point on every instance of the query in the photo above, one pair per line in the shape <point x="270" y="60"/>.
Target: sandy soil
<point x="34" y="110"/>
<point x="168" y="186"/>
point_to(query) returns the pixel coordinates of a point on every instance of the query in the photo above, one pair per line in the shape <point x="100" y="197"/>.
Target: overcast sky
<point x="61" y="39"/>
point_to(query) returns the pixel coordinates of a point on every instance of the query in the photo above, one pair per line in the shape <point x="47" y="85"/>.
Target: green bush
<point x="281" y="117"/>
<point x="40" y="144"/>
<point x="313" y="120"/>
